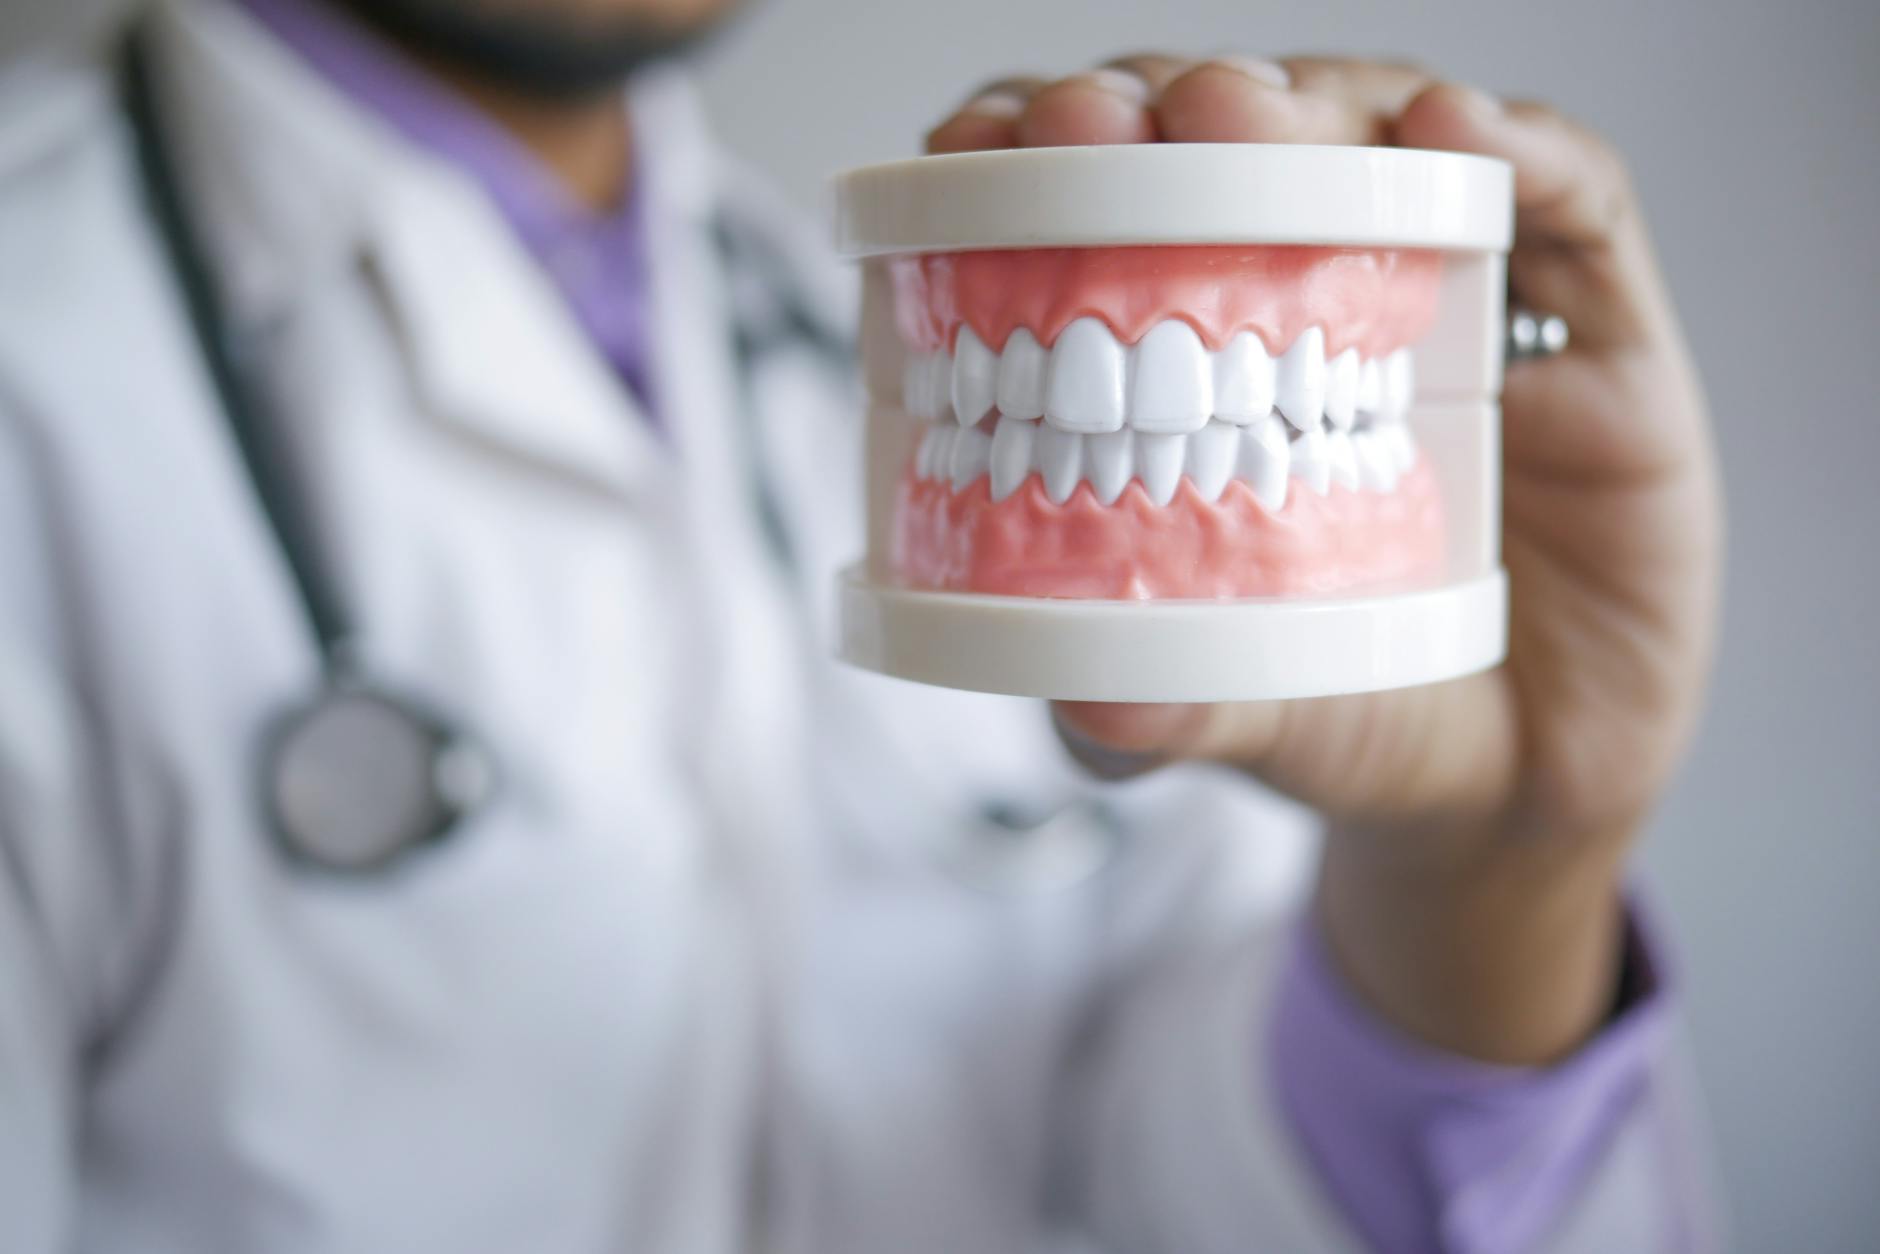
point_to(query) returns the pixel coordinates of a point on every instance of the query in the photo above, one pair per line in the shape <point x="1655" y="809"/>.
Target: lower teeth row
<point x="1266" y="456"/>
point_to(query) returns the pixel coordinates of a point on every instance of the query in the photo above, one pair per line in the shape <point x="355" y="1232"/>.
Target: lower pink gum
<point x="1190" y="548"/>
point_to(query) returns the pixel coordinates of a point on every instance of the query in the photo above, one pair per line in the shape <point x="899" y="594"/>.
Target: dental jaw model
<point x="1180" y="422"/>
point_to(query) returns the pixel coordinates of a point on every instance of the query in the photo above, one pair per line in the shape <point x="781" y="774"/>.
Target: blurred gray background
<point x="1754" y="133"/>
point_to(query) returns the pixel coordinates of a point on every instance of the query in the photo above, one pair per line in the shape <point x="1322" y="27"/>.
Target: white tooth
<point x="1399" y="443"/>
<point x="1011" y="455"/>
<point x="939" y="448"/>
<point x="1370" y="387"/>
<point x="1312" y="461"/>
<point x="1341" y="389"/>
<point x="1159" y="459"/>
<point x="1021" y="376"/>
<point x="1085" y="392"/>
<point x="914" y="394"/>
<point x="1399" y="384"/>
<point x="1343" y="457"/>
<point x="940" y="385"/>
<point x="1265" y="462"/>
<point x="1300" y="384"/>
<point x="923" y="456"/>
<point x="1108" y="463"/>
<point x="1211" y="455"/>
<point x="975" y="377"/>
<point x="1377" y="470"/>
<point x="1173" y="386"/>
<point x="1060" y="456"/>
<point x="1243" y="380"/>
<point x="972" y="456"/>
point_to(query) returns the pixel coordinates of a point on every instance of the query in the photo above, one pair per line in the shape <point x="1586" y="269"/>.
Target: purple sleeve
<point x="1425" y="1151"/>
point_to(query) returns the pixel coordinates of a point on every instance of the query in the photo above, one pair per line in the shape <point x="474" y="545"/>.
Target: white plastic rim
<point x="1177" y="194"/>
<point x="1250" y="650"/>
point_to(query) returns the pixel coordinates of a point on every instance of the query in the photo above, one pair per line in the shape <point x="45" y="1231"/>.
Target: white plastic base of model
<point x="1248" y="650"/>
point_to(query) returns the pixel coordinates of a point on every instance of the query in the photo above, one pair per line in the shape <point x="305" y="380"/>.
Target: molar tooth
<point x="975" y="378"/>
<point x="923" y="456"/>
<point x="1399" y="443"/>
<point x="1265" y="462"/>
<point x="972" y="456"/>
<point x="1300" y="382"/>
<point x="1312" y="461"/>
<point x="1010" y="460"/>
<point x="1020" y="392"/>
<point x="1243" y="380"/>
<point x="939" y="386"/>
<point x="1108" y="463"/>
<point x="1060" y="456"/>
<point x="1377" y="469"/>
<point x="1173" y="386"/>
<point x="1343" y="458"/>
<point x="1085" y="391"/>
<point x="938" y="447"/>
<point x="1370" y="386"/>
<point x="1399" y="384"/>
<point x="1211" y="455"/>
<point x="1159" y="459"/>
<point x="1341" y="389"/>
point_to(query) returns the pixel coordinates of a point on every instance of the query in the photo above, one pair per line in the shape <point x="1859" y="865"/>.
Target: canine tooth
<point x="1243" y="380"/>
<point x="1211" y="455"/>
<point x="1341" y="389"/>
<point x="1085" y="392"/>
<point x="1020" y="392"/>
<point x="1173" y="387"/>
<point x="1343" y="457"/>
<point x="975" y="379"/>
<point x="1159" y="459"/>
<point x="1010" y="459"/>
<point x="1266" y="462"/>
<point x="1377" y="469"/>
<point x="1060" y="456"/>
<point x="1399" y="384"/>
<point x="1108" y="463"/>
<point x="972" y="456"/>
<point x="939" y="449"/>
<point x="1300" y="381"/>
<point x="1312" y="461"/>
<point x="1370" y="386"/>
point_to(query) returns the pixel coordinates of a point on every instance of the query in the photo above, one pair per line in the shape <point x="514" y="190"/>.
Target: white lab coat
<point x="732" y="963"/>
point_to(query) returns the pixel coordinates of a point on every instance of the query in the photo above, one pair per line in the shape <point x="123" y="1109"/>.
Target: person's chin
<point x="547" y="51"/>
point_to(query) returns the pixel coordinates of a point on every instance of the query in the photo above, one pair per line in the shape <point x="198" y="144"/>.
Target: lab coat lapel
<point x="296" y="181"/>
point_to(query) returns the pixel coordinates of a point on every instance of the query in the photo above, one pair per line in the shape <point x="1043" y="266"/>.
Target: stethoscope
<point x="359" y="773"/>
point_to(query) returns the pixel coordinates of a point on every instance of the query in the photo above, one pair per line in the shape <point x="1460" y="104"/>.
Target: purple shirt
<point x="598" y="261"/>
<point x="1431" y="1152"/>
<point x="1415" y="1146"/>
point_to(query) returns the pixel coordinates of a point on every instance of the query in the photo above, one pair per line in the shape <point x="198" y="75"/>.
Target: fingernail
<point x="1259" y="69"/>
<point x="1478" y="102"/>
<point x="995" y="104"/>
<point x="1118" y="83"/>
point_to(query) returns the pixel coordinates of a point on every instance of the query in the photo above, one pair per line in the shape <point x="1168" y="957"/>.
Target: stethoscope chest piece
<point x="357" y="777"/>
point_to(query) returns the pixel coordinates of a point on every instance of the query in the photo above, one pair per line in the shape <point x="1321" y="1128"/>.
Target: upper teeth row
<point x="1166" y="383"/>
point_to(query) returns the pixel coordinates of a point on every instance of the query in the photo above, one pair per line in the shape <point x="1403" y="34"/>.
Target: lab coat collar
<point x="294" y="183"/>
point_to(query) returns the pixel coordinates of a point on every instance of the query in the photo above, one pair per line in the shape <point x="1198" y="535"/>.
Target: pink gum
<point x="1192" y="548"/>
<point x="1376" y="299"/>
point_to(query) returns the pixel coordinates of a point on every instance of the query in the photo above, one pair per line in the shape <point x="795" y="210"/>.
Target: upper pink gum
<point x="1377" y="299"/>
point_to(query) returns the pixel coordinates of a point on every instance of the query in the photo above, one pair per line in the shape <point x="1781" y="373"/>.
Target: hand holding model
<point x="1471" y="885"/>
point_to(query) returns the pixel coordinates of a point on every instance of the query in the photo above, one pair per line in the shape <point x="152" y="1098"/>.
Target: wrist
<point x="1506" y="951"/>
